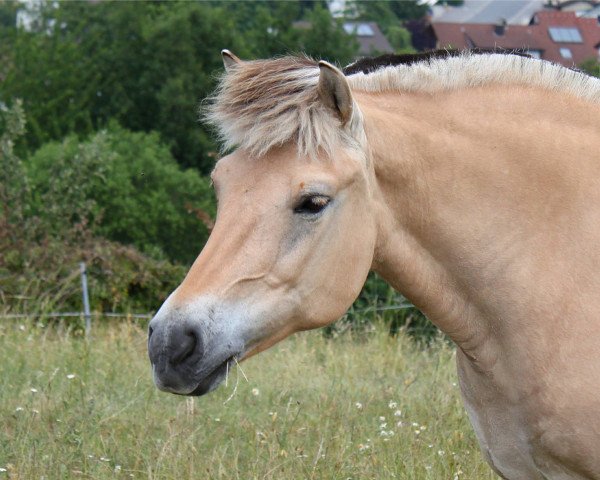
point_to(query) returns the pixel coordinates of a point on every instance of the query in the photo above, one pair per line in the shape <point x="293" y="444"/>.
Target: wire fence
<point x="88" y="315"/>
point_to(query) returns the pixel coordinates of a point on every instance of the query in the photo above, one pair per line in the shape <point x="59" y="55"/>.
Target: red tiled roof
<point x="531" y="37"/>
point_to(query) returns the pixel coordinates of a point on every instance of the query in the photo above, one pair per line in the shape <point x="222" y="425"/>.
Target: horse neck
<point x="475" y="200"/>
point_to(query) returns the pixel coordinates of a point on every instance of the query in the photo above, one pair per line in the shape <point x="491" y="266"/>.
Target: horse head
<point x="294" y="237"/>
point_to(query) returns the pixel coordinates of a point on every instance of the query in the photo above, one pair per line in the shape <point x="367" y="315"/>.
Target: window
<point x="566" y="53"/>
<point x="566" y="35"/>
<point x="360" y="29"/>
<point x="365" y="30"/>
<point x="535" y="53"/>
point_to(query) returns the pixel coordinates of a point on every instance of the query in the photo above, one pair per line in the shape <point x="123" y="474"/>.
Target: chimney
<point x="500" y="27"/>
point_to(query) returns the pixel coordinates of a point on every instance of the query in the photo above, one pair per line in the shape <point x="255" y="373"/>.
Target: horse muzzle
<point x="183" y="361"/>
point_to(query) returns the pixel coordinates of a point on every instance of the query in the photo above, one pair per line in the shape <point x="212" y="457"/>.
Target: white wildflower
<point x="392" y="405"/>
<point x="33" y="390"/>
<point x="255" y="392"/>
<point x="398" y="413"/>
<point x="358" y="405"/>
<point x="71" y="376"/>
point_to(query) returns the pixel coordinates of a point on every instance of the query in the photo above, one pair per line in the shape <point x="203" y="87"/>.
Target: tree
<point x="149" y="64"/>
<point x="14" y="187"/>
<point x="125" y="187"/>
<point x="591" y="66"/>
<point x="390" y="16"/>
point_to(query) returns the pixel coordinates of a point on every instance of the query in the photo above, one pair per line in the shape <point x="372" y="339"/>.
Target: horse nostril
<point x="150" y="331"/>
<point x="185" y="347"/>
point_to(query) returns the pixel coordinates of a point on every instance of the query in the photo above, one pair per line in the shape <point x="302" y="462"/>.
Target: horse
<point x="469" y="182"/>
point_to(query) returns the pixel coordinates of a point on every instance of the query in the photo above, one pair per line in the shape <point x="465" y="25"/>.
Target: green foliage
<point x="400" y="39"/>
<point x="127" y="187"/>
<point x="379" y="303"/>
<point x="591" y="66"/>
<point x="326" y="38"/>
<point x="387" y="12"/>
<point x="390" y="15"/>
<point x="64" y="178"/>
<point x="14" y="187"/>
<point x="43" y="275"/>
<point x="451" y="3"/>
<point x="148" y="64"/>
<point x="48" y="206"/>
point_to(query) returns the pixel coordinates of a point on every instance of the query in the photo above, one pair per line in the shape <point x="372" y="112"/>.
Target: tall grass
<point x="375" y="407"/>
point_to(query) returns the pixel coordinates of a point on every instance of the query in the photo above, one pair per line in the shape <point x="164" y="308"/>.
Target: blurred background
<point x="104" y="159"/>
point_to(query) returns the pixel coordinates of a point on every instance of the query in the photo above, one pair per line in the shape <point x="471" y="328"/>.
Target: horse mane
<point x="370" y="64"/>
<point x="262" y="104"/>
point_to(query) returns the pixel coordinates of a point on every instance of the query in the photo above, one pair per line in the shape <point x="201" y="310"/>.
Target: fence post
<point x="86" y="299"/>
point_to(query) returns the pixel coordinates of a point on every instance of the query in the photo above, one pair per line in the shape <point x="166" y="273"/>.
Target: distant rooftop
<point x="370" y="38"/>
<point x="514" y="12"/>
<point x="561" y="37"/>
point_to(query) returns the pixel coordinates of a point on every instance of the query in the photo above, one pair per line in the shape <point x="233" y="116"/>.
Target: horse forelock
<point x="262" y="104"/>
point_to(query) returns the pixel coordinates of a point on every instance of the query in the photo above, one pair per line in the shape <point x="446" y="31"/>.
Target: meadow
<point x="365" y="406"/>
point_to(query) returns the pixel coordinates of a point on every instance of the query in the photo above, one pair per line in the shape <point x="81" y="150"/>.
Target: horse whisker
<point x="237" y="378"/>
<point x="238" y="365"/>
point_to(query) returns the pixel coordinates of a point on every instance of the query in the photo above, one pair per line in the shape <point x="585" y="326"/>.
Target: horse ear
<point x="229" y="59"/>
<point x="334" y="91"/>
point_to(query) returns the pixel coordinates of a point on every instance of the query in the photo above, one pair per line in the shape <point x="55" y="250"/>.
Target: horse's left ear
<point x="229" y="59"/>
<point x="334" y="91"/>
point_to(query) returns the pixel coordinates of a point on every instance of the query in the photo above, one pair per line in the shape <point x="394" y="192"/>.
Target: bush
<point x="591" y="67"/>
<point x="43" y="276"/>
<point x="128" y="188"/>
<point x="46" y="220"/>
<point x="378" y="303"/>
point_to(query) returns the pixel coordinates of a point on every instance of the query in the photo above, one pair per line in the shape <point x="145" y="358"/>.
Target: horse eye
<point x="312" y="204"/>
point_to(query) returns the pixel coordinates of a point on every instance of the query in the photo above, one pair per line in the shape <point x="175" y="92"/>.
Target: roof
<point x="564" y="48"/>
<point x="515" y="12"/>
<point x="370" y="38"/>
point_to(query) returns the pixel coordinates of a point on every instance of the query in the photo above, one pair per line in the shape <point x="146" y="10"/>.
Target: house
<point x="515" y="12"/>
<point x="559" y="36"/>
<point x="370" y="38"/>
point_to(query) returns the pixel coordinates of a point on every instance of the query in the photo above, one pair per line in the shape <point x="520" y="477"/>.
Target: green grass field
<point x="372" y="408"/>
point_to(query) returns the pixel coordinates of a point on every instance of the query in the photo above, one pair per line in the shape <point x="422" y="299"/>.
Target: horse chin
<point x="213" y="379"/>
<point x="193" y="387"/>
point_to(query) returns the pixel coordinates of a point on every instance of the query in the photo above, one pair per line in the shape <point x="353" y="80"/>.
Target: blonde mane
<point x="262" y="104"/>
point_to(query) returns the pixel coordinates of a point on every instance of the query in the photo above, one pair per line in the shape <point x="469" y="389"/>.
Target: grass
<point x="312" y="408"/>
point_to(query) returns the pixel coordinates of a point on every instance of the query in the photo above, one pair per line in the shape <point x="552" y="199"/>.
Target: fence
<point x="88" y="315"/>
